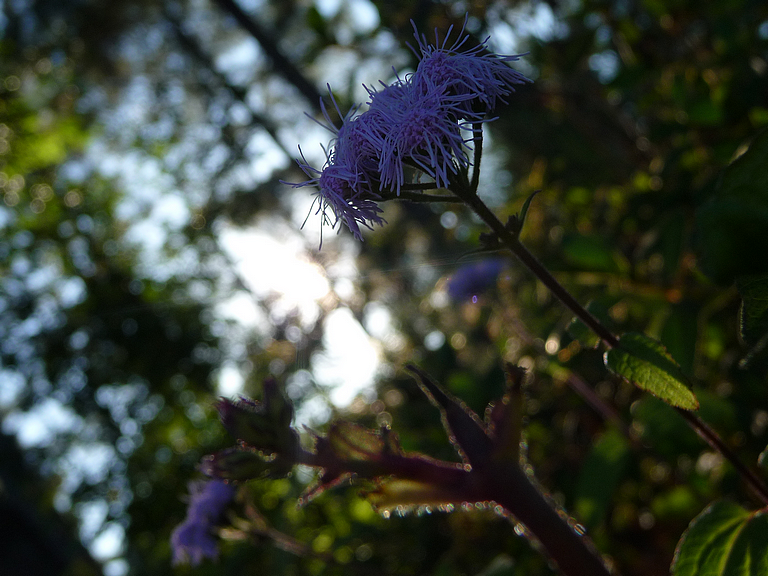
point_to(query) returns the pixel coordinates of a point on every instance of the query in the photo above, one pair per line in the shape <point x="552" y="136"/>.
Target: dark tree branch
<point x="194" y="50"/>
<point x="280" y="62"/>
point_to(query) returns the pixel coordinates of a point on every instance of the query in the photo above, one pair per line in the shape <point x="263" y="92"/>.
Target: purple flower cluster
<point x="423" y="121"/>
<point x="193" y="540"/>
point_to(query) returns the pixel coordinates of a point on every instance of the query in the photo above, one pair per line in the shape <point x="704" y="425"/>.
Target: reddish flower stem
<point x="506" y="484"/>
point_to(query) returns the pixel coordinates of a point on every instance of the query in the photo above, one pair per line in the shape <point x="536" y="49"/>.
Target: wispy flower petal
<point x="475" y="72"/>
<point x="423" y="122"/>
<point x="420" y="129"/>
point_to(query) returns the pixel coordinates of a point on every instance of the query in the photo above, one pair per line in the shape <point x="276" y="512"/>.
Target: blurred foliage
<point x="637" y="131"/>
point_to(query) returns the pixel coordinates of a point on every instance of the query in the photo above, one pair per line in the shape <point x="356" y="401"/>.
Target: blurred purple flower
<point x="193" y="540"/>
<point x="474" y="278"/>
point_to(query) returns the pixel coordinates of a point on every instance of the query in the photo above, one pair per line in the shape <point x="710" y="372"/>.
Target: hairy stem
<point x="571" y="550"/>
<point x="421" y="197"/>
<point x="504" y="483"/>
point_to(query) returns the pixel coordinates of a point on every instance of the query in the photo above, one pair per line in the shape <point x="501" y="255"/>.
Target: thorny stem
<point x="571" y="550"/>
<point x="511" y="241"/>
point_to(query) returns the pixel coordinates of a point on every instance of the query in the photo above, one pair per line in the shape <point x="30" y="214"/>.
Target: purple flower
<point x="474" y="278"/>
<point x="348" y="179"/>
<point x="193" y="540"/>
<point x="418" y="128"/>
<point x="344" y="193"/>
<point x="422" y="122"/>
<point x="474" y="72"/>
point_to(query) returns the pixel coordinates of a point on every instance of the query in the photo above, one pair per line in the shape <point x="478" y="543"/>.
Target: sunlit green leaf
<point x="724" y="540"/>
<point x="350" y="441"/>
<point x="645" y="363"/>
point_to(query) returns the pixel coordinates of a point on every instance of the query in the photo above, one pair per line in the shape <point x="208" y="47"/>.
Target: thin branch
<point x="281" y="64"/>
<point x="511" y="242"/>
<point x="716" y="442"/>
<point x="478" y="143"/>
<point x="194" y="49"/>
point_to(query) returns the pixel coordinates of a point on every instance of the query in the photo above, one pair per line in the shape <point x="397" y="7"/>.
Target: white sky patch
<point x="41" y="424"/>
<point x="92" y="516"/>
<point x="364" y="15"/>
<point x="87" y="462"/>
<point x="276" y="263"/>
<point x="109" y="543"/>
<point x="240" y="59"/>
<point x="378" y="320"/>
<point x="230" y="381"/>
<point x="243" y="308"/>
<point x="13" y="384"/>
<point x="267" y="156"/>
<point x="328" y="8"/>
<point x="171" y="210"/>
<point x="350" y="359"/>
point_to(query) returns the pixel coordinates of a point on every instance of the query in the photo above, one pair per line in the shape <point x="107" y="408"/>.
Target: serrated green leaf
<point x="239" y="464"/>
<point x="351" y="441"/>
<point x="753" y="314"/>
<point x="395" y="492"/>
<point x="646" y="363"/>
<point x="724" y="540"/>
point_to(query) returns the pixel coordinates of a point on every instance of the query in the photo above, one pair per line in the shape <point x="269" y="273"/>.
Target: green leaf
<point x="524" y="209"/>
<point x="753" y="314"/>
<point x="724" y="540"/>
<point x="731" y="226"/>
<point x="241" y="464"/>
<point x="646" y="363"/>
<point x="600" y="474"/>
<point x="395" y="492"/>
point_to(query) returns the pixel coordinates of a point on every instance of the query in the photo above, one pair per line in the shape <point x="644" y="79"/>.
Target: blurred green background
<point x="150" y="261"/>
